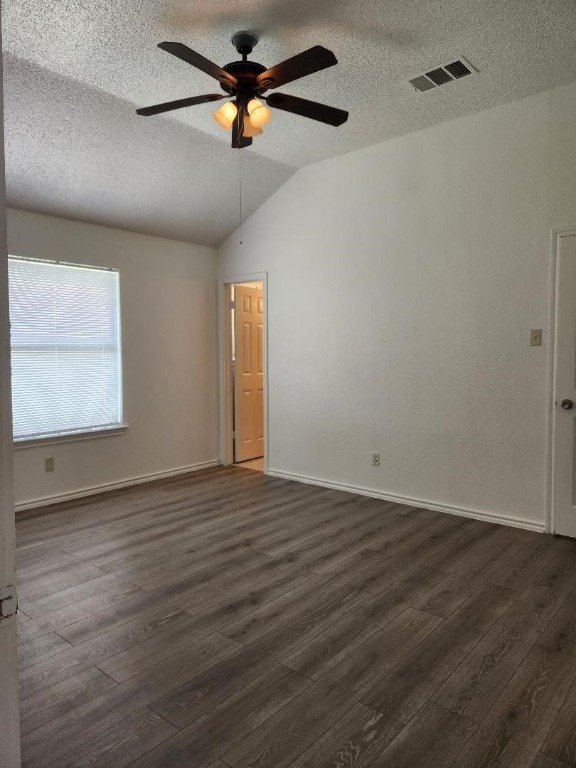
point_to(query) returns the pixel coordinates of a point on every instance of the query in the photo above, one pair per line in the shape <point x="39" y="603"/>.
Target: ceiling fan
<point x="247" y="82"/>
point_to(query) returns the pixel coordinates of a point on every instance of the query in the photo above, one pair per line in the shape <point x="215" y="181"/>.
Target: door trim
<point x="226" y="451"/>
<point x="557" y="234"/>
<point x="9" y="705"/>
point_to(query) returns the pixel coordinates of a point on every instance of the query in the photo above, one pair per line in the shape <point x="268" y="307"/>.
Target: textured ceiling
<point x="76" y="69"/>
<point x="78" y="152"/>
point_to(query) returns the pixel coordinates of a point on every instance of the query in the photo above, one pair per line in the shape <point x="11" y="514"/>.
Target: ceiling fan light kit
<point x="259" y="113"/>
<point x="255" y="116"/>
<point x="225" y="115"/>
<point x="247" y="82"/>
<point x="251" y="130"/>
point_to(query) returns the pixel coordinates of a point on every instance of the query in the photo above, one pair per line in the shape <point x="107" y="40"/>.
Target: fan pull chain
<point x="240" y="191"/>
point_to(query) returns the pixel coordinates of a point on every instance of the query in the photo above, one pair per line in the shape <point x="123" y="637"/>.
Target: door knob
<point x="566" y="404"/>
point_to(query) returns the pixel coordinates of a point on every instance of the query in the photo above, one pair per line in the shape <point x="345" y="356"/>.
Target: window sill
<point x="117" y="429"/>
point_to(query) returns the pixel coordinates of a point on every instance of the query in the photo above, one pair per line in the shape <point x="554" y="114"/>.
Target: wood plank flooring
<point x="227" y="619"/>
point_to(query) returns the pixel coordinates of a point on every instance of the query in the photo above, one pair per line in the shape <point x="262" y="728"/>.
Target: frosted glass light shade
<point x="250" y="130"/>
<point x="259" y="113"/>
<point x="225" y="115"/>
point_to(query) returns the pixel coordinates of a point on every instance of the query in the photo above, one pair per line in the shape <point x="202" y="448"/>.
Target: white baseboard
<point x="514" y="522"/>
<point x="91" y="491"/>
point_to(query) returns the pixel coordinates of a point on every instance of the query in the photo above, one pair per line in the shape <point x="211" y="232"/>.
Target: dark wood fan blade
<point x="306" y="108"/>
<point x="305" y="63"/>
<point x="238" y="140"/>
<point x="169" y="105"/>
<point x="196" y="60"/>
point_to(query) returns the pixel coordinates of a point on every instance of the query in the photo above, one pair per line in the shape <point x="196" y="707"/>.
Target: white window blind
<point x="65" y="337"/>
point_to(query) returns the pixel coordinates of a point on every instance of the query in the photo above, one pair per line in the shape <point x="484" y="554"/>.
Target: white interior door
<point x="9" y="727"/>
<point x="564" y="422"/>
<point x="248" y="372"/>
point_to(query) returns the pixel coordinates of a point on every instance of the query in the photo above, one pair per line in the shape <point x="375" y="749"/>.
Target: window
<point x="66" y="375"/>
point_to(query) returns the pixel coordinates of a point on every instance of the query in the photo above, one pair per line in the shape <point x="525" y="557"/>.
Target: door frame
<point x="557" y="234"/>
<point x="9" y="705"/>
<point x="225" y="364"/>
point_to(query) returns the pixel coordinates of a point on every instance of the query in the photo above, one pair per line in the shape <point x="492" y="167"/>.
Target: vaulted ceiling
<point x="75" y="71"/>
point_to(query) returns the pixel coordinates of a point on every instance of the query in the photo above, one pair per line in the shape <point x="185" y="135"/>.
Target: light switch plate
<point x="536" y="337"/>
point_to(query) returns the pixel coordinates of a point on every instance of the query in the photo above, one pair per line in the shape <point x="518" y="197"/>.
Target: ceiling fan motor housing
<point x="245" y="73"/>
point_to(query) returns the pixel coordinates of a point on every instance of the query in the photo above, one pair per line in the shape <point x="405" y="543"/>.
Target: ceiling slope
<point x="78" y="152"/>
<point x="175" y="174"/>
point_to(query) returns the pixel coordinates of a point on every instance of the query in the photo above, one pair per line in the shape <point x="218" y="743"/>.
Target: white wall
<point x="404" y="280"/>
<point x="169" y="363"/>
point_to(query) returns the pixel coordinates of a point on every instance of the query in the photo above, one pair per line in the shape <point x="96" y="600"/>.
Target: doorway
<point x="244" y="346"/>
<point x="564" y="400"/>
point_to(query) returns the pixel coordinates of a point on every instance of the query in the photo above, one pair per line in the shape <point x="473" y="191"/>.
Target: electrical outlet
<point x="375" y="459"/>
<point x="49" y="464"/>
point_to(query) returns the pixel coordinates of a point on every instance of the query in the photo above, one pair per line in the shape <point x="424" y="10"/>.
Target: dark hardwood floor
<point x="227" y="619"/>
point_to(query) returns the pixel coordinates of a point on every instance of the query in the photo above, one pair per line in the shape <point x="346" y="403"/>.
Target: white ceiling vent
<point x="454" y="70"/>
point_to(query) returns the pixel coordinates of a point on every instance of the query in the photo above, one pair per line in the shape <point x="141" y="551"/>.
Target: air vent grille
<point x="439" y="76"/>
<point x="458" y="69"/>
<point x="422" y="83"/>
<point x="447" y="73"/>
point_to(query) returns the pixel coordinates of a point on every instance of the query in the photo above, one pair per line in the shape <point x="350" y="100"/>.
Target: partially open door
<point x="9" y="727"/>
<point x="564" y="421"/>
<point x="248" y="372"/>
